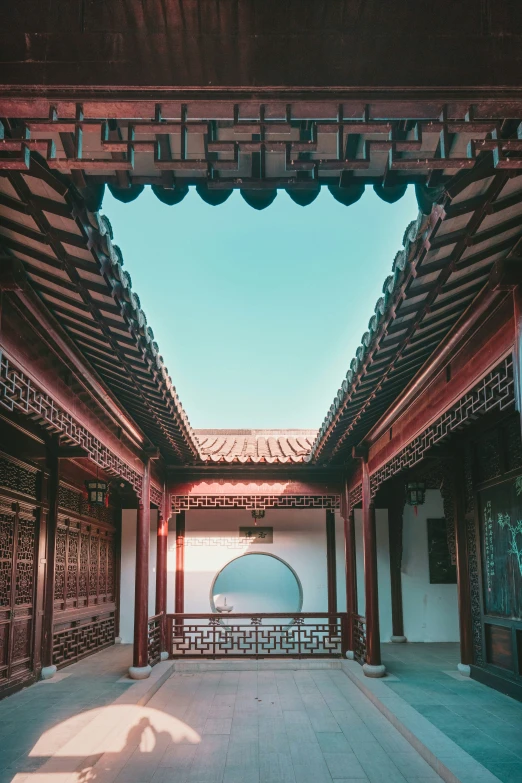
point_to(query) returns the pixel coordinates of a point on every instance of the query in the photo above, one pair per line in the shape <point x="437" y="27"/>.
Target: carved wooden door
<point x="18" y="559"/>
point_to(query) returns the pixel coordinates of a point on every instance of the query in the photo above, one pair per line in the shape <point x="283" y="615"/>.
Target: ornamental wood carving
<point x="252" y="502"/>
<point x="18" y="393"/>
<point x="230" y="143"/>
<point x="18" y="560"/>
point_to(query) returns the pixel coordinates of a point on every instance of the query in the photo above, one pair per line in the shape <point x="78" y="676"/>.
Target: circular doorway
<point x="257" y="582"/>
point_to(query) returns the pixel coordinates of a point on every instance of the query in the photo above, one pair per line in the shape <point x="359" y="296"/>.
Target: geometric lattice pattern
<point x="257" y="636"/>
<point x="154" y="636"/>
<point x="494" y="392"/>
<point x="78" y="639"/>
<point x="227" y="144"/>
<point x="251" y="502"/>
<point x="18" y="546"/>
<point x="84" y="566"/>
<point x="18" y="393"/>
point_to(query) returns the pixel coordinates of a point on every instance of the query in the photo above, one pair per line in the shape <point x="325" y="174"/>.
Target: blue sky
<point x="258" y="314"/>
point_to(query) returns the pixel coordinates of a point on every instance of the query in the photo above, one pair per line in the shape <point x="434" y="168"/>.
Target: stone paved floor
<point x="265" y="727"/>
<point x="482" y="721"/>
<point x="26" y="715"/>
<point x="282" y="726"/>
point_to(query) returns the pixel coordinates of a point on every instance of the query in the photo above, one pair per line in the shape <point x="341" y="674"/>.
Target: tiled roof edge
<point x="121" y="285"/>
<point x="390" y="287"/>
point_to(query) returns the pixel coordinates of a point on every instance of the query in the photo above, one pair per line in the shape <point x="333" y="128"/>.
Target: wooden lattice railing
<point x="359" y="638"/>
<point x="303" y="635"/>
<point x="154" y="637"/>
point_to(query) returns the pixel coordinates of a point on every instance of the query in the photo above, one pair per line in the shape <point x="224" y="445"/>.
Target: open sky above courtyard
<point x="258" y="314"/>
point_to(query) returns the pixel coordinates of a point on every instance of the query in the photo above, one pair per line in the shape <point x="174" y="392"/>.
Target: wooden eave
<point x="444" y="267"/>
<point x="75" y="270"/>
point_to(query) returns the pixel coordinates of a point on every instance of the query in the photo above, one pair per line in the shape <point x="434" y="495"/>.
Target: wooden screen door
<point x="18" y="559"/>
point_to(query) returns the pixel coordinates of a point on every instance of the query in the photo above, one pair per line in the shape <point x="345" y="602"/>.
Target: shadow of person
<point x="143" y="743"/>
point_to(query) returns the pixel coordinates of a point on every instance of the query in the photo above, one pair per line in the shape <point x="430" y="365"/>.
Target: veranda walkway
<point x="230" y="725"/>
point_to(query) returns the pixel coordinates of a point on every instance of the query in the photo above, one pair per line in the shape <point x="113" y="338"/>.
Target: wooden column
<point x="331" y="565"/>
<point x="373" y="666"/>
<point x="517" y="349"/>
<point x="463" y="585"/>
<point x="140" y="668"/>
<point x="53" y="463"/>
<point x="179" y="598"/>
<point x="161" y="563"/>
<point x="350" y="563"/>
<point x="395" y="526"/>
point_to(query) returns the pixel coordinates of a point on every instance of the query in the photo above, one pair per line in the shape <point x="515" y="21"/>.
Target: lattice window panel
<point x="84" y="566"/>
<point x="251" y="502"/>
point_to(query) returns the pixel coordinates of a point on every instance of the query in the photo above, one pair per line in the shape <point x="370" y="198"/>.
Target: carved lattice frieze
<point x="17" y="477"/>
<point x="494" y="392"/>
<point x="18" y="393"/>
<point x="252" y="502"/>
<point x="156" y="496"/>
<point x="175" y="137"/>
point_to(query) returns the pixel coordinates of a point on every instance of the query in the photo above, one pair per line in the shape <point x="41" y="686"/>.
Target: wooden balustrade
<point x="154" y="637"/>
<point x="359" y="638"/>
<point x="260" y="635"/>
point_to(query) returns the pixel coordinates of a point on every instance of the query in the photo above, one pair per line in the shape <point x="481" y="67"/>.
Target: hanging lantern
<point x="97" y="492"/>
<point x="257" y="513"/>
<point x="415" y="493"/>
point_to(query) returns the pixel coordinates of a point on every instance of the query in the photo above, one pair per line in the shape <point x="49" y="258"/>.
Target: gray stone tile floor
<point x="26" y="715"/>
<point x="483" y="722"/>
<point x="276" y="726"/>
<point x="285" y="726"/>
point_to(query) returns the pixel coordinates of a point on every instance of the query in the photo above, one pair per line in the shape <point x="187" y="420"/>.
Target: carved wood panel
<point x="18" y="561"/>
<point x="84" y="566"/>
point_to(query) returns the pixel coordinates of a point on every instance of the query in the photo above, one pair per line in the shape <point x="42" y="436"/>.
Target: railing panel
<point x="303" y="635"/>
<point x="154" y="636"/>
<point x="359" y="638"/>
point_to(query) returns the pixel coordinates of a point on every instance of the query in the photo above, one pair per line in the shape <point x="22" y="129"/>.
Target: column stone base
<point x="117" y="640"/>
<point x="139" y="672"/>
<point x="464" y="669"/>
<point x="374" y="671"/>
<point x="398" y="639"/>
<point x="350" y="655"/>
<point x="48" y="672"/>
<point x="164" y="656"/>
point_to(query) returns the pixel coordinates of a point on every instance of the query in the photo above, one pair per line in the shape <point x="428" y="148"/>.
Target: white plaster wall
<point x="430" y="611"/>
<point x="383" y="570"/>
<point x="299" y="540"/>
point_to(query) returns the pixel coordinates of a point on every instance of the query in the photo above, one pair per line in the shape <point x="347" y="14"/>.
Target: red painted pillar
<point x="179" y="600"/>
<point x="161" y="565"/>
<point x="48" y="667"/>
<point x="373" y="666"/>
<point x="350" y="560"/>
<point x="140" y="668"/>
<point x="331" y="566"/>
